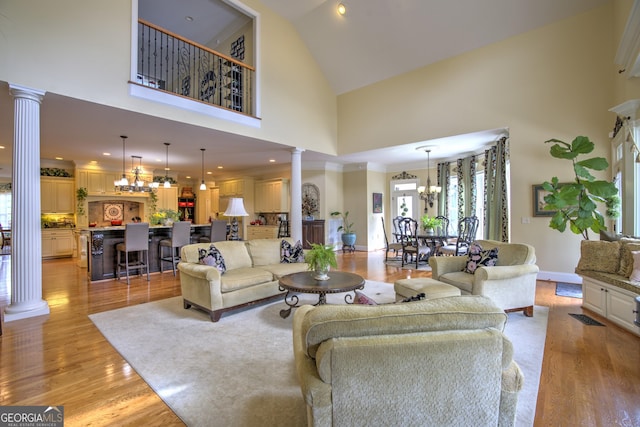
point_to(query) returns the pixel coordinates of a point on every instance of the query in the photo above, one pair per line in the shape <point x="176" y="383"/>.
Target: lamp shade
<point x="236" y="207"/>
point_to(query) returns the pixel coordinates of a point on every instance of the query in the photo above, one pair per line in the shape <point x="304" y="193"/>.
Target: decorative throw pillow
<point x="635" y="274"/>
<point x="599" y="255"/>
<point x="479" y="258"/>
<point x="212" y="257"/>
<point x="418" y="297"/>
<point x="361" y="298"/>
<point x="626" y="259"/>
<point x="290" y="254"/>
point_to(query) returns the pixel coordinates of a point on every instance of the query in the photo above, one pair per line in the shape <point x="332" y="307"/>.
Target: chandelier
<point x="428" y="193"/>
<point x="137" y="184"/>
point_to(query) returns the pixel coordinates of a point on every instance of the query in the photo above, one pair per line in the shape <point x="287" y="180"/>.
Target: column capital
<point x="19" y="91"/>
<point x="297" y="150"/>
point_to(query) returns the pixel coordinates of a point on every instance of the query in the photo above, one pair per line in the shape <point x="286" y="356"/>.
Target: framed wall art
<point x="538" y="201"/>
<point x="377" y="202"/>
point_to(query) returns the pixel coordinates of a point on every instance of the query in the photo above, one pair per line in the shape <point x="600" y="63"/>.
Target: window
<point x="5" y="210"/>
<point x="404" y="198"/>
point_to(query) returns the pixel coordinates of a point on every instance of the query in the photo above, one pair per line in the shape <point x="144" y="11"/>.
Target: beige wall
<point x="61" y="47"/>
<point x="554" y="82"/>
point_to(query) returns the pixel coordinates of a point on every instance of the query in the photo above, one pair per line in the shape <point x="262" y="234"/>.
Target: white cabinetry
<point x="167" y="198"/>
<point x="272" y="196"/>
<point x="57" y="243"/>
<point x="232" y="188"/>
<point x="56" y="195"/>
<point x="98" y="182"/>
<point x="610" y="302"/>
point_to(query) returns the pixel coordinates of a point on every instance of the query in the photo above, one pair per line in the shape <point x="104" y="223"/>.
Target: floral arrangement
<point x="309" y="206"/>
<point x="163" y="215"/>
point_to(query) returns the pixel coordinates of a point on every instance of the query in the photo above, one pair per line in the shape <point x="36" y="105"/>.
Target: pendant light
<point x="202" y="184"/>
<point x="123" y="180"/>
<point x="167" y="184"/>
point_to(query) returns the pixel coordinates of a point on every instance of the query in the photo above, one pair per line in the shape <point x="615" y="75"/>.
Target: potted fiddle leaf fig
<point x="576" y="203"/>
<point x="320" y="259"/>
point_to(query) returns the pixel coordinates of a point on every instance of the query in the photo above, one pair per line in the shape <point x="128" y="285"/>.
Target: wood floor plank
<point x="590" y="375"/>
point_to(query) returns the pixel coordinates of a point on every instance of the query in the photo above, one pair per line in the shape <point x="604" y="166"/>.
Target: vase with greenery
<point x="348" y="235"/>
<point x="81" y="196"/>
<point x="430" y="222"/>
<point x="576" y="203"/>
<point x="320" y="259"/>
<point x="165" y="217"/>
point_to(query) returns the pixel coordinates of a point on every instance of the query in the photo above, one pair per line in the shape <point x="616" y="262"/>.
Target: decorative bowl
<point x="115" y="222"/>
<point x="93" y="224"/>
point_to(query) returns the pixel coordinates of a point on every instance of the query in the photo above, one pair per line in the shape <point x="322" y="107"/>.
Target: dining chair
<point x="5" y="237"/>
<point x="411" y="245"/>
<point x="443" y="233"/>
<point x="136" y="239"/>
<point x="180" y="236"/>
<point x="218" y="232"/>
<point x="396" y="228"/>
<point x="467" y="228"/>
<point x="396" y="247"/>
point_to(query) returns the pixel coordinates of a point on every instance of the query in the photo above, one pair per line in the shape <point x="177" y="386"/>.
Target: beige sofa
<point x="511" y="284"/>
<point x="439" y="362"/>
<point x="253" y="270"/>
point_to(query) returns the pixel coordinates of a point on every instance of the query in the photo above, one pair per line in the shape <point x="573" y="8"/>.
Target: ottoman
<point x="432" y="288"/>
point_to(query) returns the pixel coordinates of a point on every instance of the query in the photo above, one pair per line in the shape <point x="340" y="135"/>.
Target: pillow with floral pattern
<point x="480" y="258"/>
<point x="290" y="254"/>
<point x="213" y="258"/>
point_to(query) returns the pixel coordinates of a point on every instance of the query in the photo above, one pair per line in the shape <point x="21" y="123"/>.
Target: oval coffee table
<point x="304" y="282"/>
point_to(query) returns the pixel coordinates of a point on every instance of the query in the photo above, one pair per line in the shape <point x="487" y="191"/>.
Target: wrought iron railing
<point x="171" y="63"/>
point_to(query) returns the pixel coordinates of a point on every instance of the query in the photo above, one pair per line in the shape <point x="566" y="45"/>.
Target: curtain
<point x="467" y="192"/>
<point x="496" y="206"/>
<point x="443" y="181"/>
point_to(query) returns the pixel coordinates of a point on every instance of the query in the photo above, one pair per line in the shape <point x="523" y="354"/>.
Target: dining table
<point x="435" y="240"/>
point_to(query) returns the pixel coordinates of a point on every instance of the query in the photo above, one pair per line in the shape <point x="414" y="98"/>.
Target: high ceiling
<point x="408" y="33"/>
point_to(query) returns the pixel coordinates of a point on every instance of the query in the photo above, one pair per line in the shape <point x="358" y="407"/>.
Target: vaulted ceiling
<point x="374" y="40"/>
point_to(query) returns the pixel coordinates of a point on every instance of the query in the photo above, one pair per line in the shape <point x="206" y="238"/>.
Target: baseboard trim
<point x="556" y="276"/>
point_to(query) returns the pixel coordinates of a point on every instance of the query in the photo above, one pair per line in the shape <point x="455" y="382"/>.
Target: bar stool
<point x="136" y="239"/>
<point x="180" y="236"/>
<point x="218" y="232"/>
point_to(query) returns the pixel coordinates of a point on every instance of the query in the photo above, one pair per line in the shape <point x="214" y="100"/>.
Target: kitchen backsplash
<point x="57" y="221"/>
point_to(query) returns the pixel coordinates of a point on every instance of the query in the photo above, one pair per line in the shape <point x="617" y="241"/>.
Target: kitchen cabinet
<point x="57" y="243"/>
<point x="57" y="195"/>
<point x="272" y="196"/>
<point x="610" y="302"/>
<point x="232" y="188"/>
<point x="312" y="232"/>
<point x="167" y="198"/>
<point x="97" y="182"/>
<point x="262" y="232"/>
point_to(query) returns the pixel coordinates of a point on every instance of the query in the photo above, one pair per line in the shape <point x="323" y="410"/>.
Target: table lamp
<point x="235" y="209"/>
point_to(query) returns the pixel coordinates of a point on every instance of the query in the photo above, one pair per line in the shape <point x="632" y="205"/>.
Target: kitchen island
<point x="102" y="241"/>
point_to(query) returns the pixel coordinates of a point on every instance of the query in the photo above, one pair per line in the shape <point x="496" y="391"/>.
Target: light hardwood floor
<point x="590" y="375"/>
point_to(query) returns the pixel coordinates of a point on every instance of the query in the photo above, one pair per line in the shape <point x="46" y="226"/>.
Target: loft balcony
<point x="172" y="64"/>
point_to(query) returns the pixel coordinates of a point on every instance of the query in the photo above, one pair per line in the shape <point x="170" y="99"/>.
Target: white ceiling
<point x="390" y="38"/>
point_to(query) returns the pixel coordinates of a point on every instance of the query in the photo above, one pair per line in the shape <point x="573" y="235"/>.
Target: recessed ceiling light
<point x="272" y="160"/>
<point x="93" y="162"/>
<point x="1" y="147"/>
<point x="209" y="172"/>
<point x="59" y="158"/>
<point x="188" y="18"/>
<point x="188" y="177"/>
<point x="342" y="9"/>
<point x="106" y="154"/>
<point x="220" y="167"/>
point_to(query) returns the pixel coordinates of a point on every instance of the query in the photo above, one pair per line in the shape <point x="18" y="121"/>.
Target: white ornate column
<point x="295" y="222"/>
<point x="26" y="247"/>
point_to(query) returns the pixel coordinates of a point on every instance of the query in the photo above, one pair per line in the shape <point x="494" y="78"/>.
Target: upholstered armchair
<point x="511" y="283"/>
<point x="434" y="362"/>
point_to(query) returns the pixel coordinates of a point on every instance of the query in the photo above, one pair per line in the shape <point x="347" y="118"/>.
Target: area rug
<point x="423" y="266"/>
<point x="240" y="371"/>
<point x="572" y="290"/>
